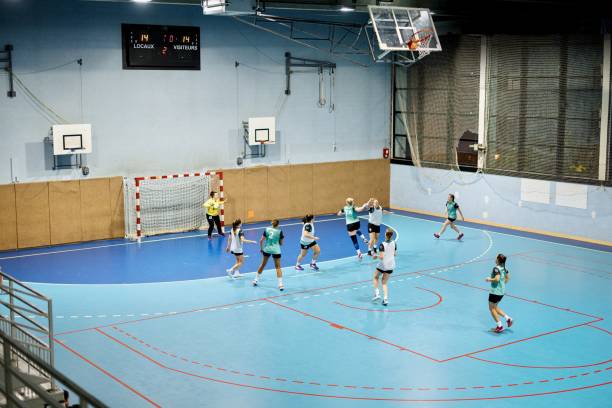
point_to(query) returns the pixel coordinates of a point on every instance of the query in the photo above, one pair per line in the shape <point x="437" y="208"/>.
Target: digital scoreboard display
<point x="160" y="47"/>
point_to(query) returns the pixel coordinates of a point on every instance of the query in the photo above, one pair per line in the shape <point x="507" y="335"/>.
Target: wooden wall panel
<point x="372" y="178"/>
<point x="8" y="218"/>
<point x="256" y="194"/>
<point x="233" y="190"/>
<point x="116" y="207"/>
<point x="95" y="209"/>
<point x="332" y="184"/>
<point x="279" y="200"/>
<point x="300" y="190"/>
<point x="65" y="212"/>
<point x="383" y="182"/>
<point x="32" y="204"/>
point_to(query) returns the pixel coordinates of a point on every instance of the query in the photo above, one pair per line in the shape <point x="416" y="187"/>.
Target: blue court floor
<point x="159" y="324"/>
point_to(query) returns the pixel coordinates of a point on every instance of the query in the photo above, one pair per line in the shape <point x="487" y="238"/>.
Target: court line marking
<point x="224" y="276"/>
<point x="396" y="310"/>
<point x="107" y="373"/>
<point x="217" y="380"/>
<point x="148" y="241"/>
<point x="260" y="299"/>
<point x="140" y="342"/>
<point x="503" y="233"/>
<point x="442" y="269"/>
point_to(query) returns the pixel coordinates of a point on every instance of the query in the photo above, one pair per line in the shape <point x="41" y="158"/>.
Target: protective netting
<point x="436" y="104"/>
<point x="542" y="106"/>
<point x="168" y="205"/>
<point x="544" y="101"/>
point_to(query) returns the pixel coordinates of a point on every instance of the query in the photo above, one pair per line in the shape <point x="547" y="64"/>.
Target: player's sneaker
<point x="509" y="321"/>
<point x="299" y="268"/>
<point x="255" y="283"/>
<point x="376" y="298"/>
<point x="229" y="273"/>
<point x="281" y="288"/>
<point x="460" y="236"/>
<point x="385" y="302"/>
<point x="498" y="329"/>
<point x="436" y="235"/>
<point x="314" y="266"/>
<point x="237" y="274"/>
<point x="359" y="254"/>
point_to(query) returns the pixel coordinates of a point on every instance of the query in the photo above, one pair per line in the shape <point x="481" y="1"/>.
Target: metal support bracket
<point x="6" y="56"/>
<point x="294" y="62"/>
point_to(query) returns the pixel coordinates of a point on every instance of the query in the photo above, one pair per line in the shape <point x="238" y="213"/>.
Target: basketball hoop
<point x="420" y="39"/>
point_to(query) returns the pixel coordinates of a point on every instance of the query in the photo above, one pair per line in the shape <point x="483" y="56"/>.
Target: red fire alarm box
<point x="386" y="152"/>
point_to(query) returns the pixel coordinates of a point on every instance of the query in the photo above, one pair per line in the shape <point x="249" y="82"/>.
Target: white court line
<point x="148" y="241"/>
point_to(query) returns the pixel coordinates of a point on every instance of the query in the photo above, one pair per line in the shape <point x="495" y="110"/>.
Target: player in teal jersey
<point x="451" y="216"/>
<point x="499" y="278"/>
<point x="352" y="222"/>
<point x="270" y="244"/>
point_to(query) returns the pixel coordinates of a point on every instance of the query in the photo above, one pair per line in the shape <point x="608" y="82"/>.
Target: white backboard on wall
<point x="535" y="191"/>
<point x="71" y="139"/>
<point x="571" y="195"/>
<point x="262" y="130"/>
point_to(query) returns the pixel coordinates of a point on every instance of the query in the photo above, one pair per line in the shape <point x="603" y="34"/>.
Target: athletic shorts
<point x="495" y="298"/>
<point x="267" y="255"/>
<point x="381" y="271"/>
<point x="353" y="227"/>
<point x="307" y="246"/>
<point x="452" y="219"/>
<point x="374" y="228"/>
<point x="237" y="253"/>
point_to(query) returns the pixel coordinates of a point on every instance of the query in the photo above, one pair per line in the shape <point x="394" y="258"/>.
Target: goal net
<point x="168" y="204"/>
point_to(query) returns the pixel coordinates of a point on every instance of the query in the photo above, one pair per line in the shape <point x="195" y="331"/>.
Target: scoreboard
<point x="160" y="47"/>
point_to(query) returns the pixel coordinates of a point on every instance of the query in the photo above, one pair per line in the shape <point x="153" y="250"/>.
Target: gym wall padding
<point x="279" y="198"/>
<point x="95" y="209"/>
<point x="382" y="186"/>
<point x="8" y="218"/>
<point x="332" y="184"/>
<point x="233" y="191"/>
<point x="256" y="194"/>
<point x="116" y="207"/>
<point x="65" y="212"/>
<point x="32" y="203"/>
<point x="300" y="189"/>
<point x="372" y="178"/>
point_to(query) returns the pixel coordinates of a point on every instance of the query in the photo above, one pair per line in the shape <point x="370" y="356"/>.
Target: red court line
<point x="261" y="299"/>
<point x="571" y="257"/>
<point x="576" y="268"/>
<point x="273" y="378"/>
<point x="542" y="367"/>
<point x="346" y="397"/>
<point x="516" y="297"/>
<point x="519" y="341"/>
<point x="79" y="355"/>
<point x="397" y="310"/>
<point x="339" y="326"/>
<point x="599" y="328"/>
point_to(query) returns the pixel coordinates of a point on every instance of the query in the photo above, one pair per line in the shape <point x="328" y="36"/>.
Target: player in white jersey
<point x="234" y="245"/>
<point x="375" y="214"/>
<point x="385" y="266"/>
<point x="307" y="241"/>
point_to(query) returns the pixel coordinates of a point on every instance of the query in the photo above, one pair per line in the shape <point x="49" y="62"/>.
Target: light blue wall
<point x="498" y="199"/>
<point x="152" y="122"/>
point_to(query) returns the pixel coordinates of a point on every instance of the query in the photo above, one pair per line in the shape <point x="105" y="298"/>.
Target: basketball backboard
<point x="404" y="29"/>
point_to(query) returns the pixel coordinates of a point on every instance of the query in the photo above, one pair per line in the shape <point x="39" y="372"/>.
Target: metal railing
<point x="19" y="387"/>
<point x="27" y="317"/>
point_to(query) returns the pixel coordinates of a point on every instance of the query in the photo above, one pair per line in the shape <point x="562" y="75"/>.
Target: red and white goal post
<point x="169" y="203"/>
